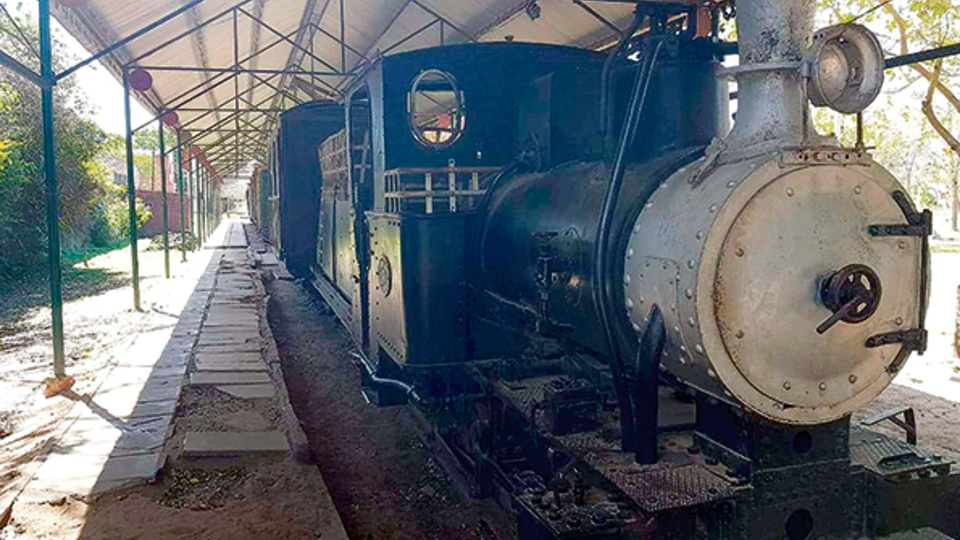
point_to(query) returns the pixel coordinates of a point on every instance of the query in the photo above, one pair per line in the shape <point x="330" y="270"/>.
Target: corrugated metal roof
<point x="191" y="56"/>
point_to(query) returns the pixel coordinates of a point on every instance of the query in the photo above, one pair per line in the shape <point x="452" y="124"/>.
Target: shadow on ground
<point x="19" y="294"/>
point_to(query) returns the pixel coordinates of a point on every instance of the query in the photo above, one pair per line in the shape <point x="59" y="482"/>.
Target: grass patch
<point x="945" y="248"/>
<point x="30" y="287"/>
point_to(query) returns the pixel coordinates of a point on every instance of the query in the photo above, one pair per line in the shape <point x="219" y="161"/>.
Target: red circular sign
<point x="171" y="118"/>
<point x="140" y="80"/>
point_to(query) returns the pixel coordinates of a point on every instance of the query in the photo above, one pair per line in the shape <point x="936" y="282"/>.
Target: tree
<point x="921" y="24"/>
<point x="91" y="203"/>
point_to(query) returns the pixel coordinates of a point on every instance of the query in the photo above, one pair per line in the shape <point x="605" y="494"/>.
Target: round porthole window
<point x="435" y="106"/>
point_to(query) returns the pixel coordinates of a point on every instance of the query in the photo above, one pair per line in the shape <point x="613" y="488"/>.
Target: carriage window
<point x="435" y="105"/>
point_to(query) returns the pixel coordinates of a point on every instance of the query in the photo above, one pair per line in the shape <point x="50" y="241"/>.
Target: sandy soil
<point x="99" y="325"/>
<point x="271" y="497"/>
<point x="381" y="477"/>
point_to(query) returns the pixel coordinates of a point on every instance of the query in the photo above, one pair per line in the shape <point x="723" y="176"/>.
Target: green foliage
<point x="92" y="207"/>
<point x="192" y="242"/>
<point x="905" y="141"/>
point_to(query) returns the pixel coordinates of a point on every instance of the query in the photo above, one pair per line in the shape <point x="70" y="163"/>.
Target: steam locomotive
<point x="606" y="308"/>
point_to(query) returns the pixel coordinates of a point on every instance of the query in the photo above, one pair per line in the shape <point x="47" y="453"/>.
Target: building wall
<point x="154" y="200"/>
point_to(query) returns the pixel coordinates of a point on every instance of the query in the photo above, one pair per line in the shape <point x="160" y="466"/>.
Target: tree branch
<point x="924" y="72"/>
<point x="930" y="113"/>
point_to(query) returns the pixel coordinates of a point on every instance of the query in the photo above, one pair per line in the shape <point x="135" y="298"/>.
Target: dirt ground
<point x="269" y="497"/>
<point x="380" y="475"/>
<point x="202" y="503"/>
<point x="99" y="324"/>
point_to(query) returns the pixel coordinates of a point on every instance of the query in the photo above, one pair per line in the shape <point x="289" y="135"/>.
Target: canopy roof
<point x="229" y="67"/>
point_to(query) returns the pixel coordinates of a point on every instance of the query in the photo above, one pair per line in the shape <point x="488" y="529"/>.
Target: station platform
<point x="187" y="401"/>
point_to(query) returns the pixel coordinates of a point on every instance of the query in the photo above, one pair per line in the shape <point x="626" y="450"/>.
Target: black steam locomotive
<point x="608" y="310"/>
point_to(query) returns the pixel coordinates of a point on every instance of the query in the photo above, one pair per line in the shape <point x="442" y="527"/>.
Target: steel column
<point x="53" y="199"/>
<point x="183" y="225"/>
<point x="193" y="194"/>
<point x="131" y="194"/>
<point x="163" y="197"/>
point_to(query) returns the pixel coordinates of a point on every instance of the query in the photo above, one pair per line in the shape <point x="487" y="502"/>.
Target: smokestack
<point x="772" y="105"/>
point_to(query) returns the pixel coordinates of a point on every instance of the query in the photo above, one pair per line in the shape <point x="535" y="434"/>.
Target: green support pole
<point x="193" y="196"/>
<point x="131" y="195"/>
<point x="163" y="197"/>
<point x="201" y="201"/>
<point x="183" y="219"/>
<point x="53" y="196"/>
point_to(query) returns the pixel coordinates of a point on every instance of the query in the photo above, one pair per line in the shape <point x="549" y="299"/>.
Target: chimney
<point x="772" y="105"/>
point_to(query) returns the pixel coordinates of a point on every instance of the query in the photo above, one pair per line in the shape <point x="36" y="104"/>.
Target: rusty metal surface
<point x="667" y="486"/>
<point x="889" y="457"/>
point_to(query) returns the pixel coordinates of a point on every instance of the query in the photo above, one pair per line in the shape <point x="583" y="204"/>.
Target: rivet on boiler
<point x="698" y="348"/>
<point x="853" y="379"/>
<point x="740" y="252"/>
<point x="688" y="293"/>
<point x="789" y="192"/>
<point x="787" y="385"/>
<point x="898" y="321"/>
<point x="823" y="386"/>
<point x="858" y="190"/>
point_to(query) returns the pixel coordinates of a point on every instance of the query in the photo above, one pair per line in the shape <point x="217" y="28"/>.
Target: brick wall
<point x="154" y="200"/>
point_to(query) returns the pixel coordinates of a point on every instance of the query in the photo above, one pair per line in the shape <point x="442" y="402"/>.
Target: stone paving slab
<point x="230" y="348"/>
<point x="223" y="444"/>
<point x="231" y="320"/>
<point x="248" y="391"/>
<point x="246" y="356"/>
<point x="67" y="474"/>
<point x="238" y="338"/>
<point x="230" y="365"/>
<point x="229" y="377"/>
<point x="154" y="408"/>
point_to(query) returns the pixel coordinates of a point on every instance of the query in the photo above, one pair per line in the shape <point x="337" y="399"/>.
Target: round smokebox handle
<point x="852" y="293"/>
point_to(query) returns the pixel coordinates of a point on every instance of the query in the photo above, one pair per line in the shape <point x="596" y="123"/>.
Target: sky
<point x="103" y="91"/>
